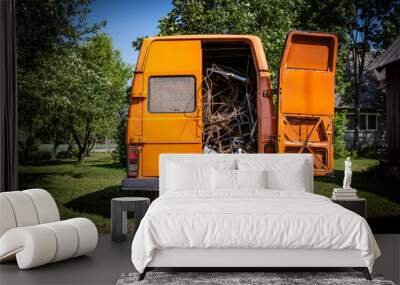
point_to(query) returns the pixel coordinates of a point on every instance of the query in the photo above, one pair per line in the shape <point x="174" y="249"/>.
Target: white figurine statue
<point x="347" y="174"/>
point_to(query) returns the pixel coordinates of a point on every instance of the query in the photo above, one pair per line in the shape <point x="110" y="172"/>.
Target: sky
<point x="127" y="20"/>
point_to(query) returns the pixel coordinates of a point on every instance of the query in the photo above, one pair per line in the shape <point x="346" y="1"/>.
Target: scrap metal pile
<point x="229" y="112"/>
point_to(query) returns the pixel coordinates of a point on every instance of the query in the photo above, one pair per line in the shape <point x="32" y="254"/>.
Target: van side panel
<point x="306" y="97"/>
<point x="164" y="131"/>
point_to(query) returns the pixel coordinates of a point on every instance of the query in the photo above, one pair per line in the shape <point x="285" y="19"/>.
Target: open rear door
<point x="306" y="97"/>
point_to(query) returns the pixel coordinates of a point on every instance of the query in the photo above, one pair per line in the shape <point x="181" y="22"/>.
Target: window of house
<point x="172" y="94"/>
<point x="363" y="122"/>
<point x="367" y="121"/>
<point x="371" y="122"/>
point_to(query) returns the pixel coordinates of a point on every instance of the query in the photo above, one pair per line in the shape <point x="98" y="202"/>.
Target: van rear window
<point x="172" y="94"/>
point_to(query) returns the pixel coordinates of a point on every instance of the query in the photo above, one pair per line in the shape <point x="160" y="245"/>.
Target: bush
<point x="27" y="149"/>
<point x="119" y="154"/>
<point x="41" y="155"/>
<point x="63" y="154"/>
<point x="339" y="144"/>
<point x="372" y="151"/>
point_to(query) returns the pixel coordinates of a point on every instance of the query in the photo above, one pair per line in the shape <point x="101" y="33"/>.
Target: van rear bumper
<point x="140" y="184"/>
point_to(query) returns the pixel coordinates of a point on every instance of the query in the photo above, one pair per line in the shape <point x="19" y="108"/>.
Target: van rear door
<point x="172" y="114"/>
<point x="306" y="97"/>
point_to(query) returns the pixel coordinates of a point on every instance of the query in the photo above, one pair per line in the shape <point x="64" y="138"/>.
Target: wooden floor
<point x="110" y="260"/>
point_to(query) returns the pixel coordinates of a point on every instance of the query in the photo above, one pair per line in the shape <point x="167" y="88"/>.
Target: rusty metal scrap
<point x="229" y="119"/>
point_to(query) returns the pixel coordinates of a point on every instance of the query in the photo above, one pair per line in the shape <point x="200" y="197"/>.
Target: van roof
<point x="254" y="42"/>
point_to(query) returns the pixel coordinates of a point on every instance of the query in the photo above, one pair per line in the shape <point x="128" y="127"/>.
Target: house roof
<point x="391" y="55"/>
<point x="367" y="101"/>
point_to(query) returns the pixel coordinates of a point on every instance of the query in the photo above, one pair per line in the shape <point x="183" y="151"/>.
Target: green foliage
<point x="45" y="26"/>
<point x="47" y="30"/>
<point x="110" y="101"/>
<point x="339" y="145"/>
<point x="78" y="91"/>
<point x="120" y="153"/>
<point x="388" y="27"/>
<point x="268" y="19"/>
<point x="136" y="44"/>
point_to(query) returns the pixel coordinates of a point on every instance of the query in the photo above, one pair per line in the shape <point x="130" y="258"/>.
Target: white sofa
<point x="31" y="230"/>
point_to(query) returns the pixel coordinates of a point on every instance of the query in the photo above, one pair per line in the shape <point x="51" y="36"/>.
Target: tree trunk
<point x="83" y="148"/>
<point x="29" y="142"/>
<point x="80" y="148"/>
<point x="356" y="99"/>
<point x="87" y="140"/>
<point x="70" y="147"/>
<point x="359" y="63"/>
<point x="54" y="150"/>
<point x="91" y="146"/>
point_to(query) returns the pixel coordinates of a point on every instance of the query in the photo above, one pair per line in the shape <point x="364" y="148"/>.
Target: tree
<point x="46" y="29"/>
<point x="81" y="92"/>
<point x="120" y="153"/>
<point x="103" y="109"/>
<point x="45" y="26"/>
<point x="268" y="19"/>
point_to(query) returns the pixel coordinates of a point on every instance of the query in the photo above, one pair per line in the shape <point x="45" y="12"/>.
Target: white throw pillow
<point x="293" y="178"/>
<point x="251" y="178"/>
<point x="188" y="177"/>
<point x="223" y="179"/>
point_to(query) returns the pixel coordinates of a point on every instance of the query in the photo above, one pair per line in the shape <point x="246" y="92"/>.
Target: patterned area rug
<point x="236" y="278"/>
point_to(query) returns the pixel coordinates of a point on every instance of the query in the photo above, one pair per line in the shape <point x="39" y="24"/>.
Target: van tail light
<point x="133" y="161"/>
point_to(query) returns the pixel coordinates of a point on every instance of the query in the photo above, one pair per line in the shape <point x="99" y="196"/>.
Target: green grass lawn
<point x="69" y="180"/>
<point x="84" y="189"/>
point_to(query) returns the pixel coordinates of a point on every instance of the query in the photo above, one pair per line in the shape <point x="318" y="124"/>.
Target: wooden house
<point x="390" y="62"/>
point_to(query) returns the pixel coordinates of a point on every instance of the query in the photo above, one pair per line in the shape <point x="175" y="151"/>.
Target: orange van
<point x="166" y="106"/>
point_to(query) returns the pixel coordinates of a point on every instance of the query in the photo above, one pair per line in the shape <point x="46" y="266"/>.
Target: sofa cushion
<point x="26" y="208"/>
<point x="45" y="205"/>
<point x="23" y="208"/>
<point x="7" y="218"/>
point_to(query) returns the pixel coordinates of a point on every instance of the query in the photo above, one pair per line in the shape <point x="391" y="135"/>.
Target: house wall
<point x="366" y="138"/>
<point x="393" y="106"/>
<point x="373" y="135"/>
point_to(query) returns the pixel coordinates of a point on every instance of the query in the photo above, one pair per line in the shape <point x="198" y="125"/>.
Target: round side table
<point x="119" y="208"/>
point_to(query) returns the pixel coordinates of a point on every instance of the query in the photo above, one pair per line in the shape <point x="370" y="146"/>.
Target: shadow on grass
<point x="99" y="202"/>
<point x="115" y="165"/>
<point x="26" y="180"/>
<point x="50" y="162"/>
